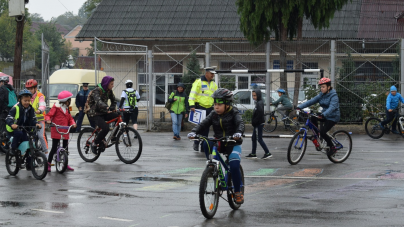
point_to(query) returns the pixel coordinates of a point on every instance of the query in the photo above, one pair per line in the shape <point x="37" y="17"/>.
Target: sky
<point x="54" y="8"/>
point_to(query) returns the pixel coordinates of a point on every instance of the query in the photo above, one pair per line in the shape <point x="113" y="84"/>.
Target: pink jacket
<point x="42" y="103"/>
<point x="57" y="116"/>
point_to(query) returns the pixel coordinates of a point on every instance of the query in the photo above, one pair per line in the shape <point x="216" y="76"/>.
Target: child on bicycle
<point x="258" y="122"/>
<point x="392" y="102"/>
<point x="226" y="121"/>
<point x="328" y="100"/>
<point x="60" y="115"/>
<point x="284" y="100"/>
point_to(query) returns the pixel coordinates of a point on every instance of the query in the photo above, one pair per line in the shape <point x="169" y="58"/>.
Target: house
<point x="60" y="28"/>
<point x="80" y="45"/>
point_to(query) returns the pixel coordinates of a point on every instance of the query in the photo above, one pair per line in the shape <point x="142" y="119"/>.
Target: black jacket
<point x="223" y="125"/>
<point x="4" y="98"/>
<point x="27" y="116"/>
<point x="258" y="113"/>
<point x="81" y="98"/>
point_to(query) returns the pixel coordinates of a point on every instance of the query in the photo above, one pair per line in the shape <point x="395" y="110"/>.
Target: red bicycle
<point x="128" y="143"/>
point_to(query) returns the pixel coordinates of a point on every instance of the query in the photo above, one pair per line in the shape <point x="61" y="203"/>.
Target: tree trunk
<point x="282" y="55"/>
<point x="18" y="52"/>
<point x="298" y="61"/>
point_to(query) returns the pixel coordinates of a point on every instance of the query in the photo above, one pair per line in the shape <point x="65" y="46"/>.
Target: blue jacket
<point x="329" y="102"/>
<point x="392" y="101"/>
<point x="81" y="98"/>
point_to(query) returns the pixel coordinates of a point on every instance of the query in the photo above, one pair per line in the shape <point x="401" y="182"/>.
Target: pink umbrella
<point x="10" y="78"/>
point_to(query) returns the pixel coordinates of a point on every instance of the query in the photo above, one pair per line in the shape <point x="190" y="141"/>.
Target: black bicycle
<point x="293" y="121"/>
<point x="375" y="130"/>
<point x="4" y="141"/>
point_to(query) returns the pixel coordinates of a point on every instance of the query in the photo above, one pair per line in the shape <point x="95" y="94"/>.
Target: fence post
<point x="332" y="63"/>
<point x="402" y="68"/>
<point x="149" y="61"/>
<point x="268" y="76"/>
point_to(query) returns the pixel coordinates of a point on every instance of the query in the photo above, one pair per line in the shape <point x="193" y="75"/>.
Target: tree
<point x="90" y="5"/>
<point x="194" y="72"/>
<point x="36" y="17"/>
<point x="69" y="20"/>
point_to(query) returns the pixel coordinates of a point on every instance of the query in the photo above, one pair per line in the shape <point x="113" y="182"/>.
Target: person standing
<point x="5" y="89"/>
<point x="39" y="105"/>
<point x="179" y="107"/>
<point x="201" y="97"/>
<point x="129" y="99"/>
<point x="81" y="99"/>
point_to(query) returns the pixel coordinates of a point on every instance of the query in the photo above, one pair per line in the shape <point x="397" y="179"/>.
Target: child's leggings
<point x="55" y="143"/>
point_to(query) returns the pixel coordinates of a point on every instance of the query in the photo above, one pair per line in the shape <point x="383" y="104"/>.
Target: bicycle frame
<point x="61" y="134"/>
<point x="119" y="124"/>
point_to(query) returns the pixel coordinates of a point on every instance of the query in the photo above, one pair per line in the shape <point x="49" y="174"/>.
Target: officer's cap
<point x="85" y="84"/>
<point x="211" y="69"/>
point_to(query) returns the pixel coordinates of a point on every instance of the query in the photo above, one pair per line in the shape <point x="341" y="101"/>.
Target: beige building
<point x="81" y="45"/>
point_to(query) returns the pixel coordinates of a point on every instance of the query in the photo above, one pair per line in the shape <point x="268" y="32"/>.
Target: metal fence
<point x="25" y="66"/>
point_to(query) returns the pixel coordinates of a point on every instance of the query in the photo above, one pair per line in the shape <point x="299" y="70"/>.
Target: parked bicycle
<point x="28" y="155"/>
<point x="214" y="181"/>
<point x="128" y="143"/>
<point x="297" y="147"/>
<point x="61" y="157"/>
<point x="374" y="129"/>
<point x="293" y="122"/>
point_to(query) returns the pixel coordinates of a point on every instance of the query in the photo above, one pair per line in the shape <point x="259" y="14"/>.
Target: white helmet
<point x="128" y="81"/>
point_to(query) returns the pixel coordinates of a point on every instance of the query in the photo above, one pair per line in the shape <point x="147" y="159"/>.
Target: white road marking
<point x="49" y="211"/>
<point x="116" y="219"/>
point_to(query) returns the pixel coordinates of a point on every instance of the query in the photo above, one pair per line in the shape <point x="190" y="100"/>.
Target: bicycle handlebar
<point x="61" y="127"/>
<point x="223" y="139"/>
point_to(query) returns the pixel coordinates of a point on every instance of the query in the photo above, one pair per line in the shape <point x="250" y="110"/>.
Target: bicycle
<point x="127" y="139"/>
<point x="4" y="146"/>
<point x="26" y="152"/>
<point x="298" y="143"/>
<point x="292" y="123"/>
<point x="213" y="182"/>
<point x="373" y="125"/>
<point x="61" y="157"/>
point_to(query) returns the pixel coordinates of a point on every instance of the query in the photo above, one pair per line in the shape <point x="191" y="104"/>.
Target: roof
<point x="68" y="34"/>
<point x="60" y="28"/>
<point x="218" y="19"/>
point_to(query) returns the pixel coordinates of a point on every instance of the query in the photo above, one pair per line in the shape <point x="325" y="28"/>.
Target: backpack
<point x="131" y="98"/>
<point x="12" y="98"/>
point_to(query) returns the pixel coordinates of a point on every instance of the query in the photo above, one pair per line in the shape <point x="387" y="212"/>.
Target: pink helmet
<point x="324" y="80"/>
<point x="64" y="96"/>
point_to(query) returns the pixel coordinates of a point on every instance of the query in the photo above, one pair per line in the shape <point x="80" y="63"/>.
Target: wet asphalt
<point x="161" y="188"/>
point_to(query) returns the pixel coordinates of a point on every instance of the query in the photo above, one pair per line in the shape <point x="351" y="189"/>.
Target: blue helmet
<point x="281" y="90"/>
<point x="24" y="92"/>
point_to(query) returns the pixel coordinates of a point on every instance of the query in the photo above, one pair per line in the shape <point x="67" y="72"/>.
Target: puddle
<point x="59" y="206"/>
<point x="11" y="204"/>
<point x="114" y="194"/>
<point x="159" y="179"/>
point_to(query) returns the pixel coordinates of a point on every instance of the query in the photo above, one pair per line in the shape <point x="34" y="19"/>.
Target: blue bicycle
<point x="214" y="182"/>
<point x="297" y="147"/>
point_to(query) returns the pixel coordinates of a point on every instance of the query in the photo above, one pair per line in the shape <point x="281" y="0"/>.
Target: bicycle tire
<point x="294" y="128"/>
<point x="3" y="142"/>
<point x="401" y="126"/>
<point x="271" y="124"/>
<point x="296" y="150"/>
<point x="209" y="204"/>
<point x="230" y="196"/>
<point x="340" y="156"/>
<point x="61" y="164"/>
<point x="85" y="149"/>
<point x="11" y="161"/>
<point x="126" y="144"/>
<point x="373" y="129"/>
<point x="39" y="165"/>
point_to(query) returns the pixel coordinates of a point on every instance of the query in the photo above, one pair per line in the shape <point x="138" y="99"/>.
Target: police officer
<point x="200" y="96"/>
<point x="81" y="99"/>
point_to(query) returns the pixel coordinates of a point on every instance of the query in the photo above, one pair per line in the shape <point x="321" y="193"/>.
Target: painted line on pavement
<point x="49" y="211"/>
<point x="318" y="178"/>
<point x="165" y="215"/>
<point x="115" y="219"/>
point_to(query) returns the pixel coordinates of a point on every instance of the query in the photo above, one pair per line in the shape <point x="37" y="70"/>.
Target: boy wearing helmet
<point x="22" y="114"/>
<point x="129" y="99"/>
<point x="328" y="100"/>
<point x="284" y="100"/>
<point x="392" y="102"/>
<point x="39" y="105"/>
<point x="226" y="121"/>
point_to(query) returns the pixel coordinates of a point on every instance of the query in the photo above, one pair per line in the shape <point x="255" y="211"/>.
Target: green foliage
<point x="69" y="20"/>
<point x="89" y="6"/>
<point x="247" y="116"/>
<point x="3" y="6"/>
<point x="193" y="73"/>
<point x="35" y="17"/>
<point x="228" y="82"/>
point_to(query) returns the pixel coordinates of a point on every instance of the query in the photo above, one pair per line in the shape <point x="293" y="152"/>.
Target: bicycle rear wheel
<point x="209" y="193"/>
<point x="373" y="128"/>
<point x="294" y="123"/>
<point x="271" y="124"/>
<point x="39" y="165"/>
<point x="344" y="146"/>
<point x="129" y="148"/>
<point x="12" y="164"/>
<point x="230" y="191"/>
<point x="61" y="164"/>
<point x="297" y="148"/>
<point x="84" y="140"/>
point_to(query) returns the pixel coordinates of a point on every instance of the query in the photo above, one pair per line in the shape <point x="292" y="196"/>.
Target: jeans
<point x="100" y="122"/>
<point x="258" y="130"/>
<point x="389" y="118"/>
<point x="176" y="119"/>
<point x="324" y="129"/>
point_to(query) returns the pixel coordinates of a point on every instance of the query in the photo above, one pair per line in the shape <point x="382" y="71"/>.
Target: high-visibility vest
<point x="201" y="93"/>
<point x="35" y="105"/>
<point x="17" y="115"/>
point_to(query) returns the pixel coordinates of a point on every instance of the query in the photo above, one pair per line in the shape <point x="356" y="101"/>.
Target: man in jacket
<point x="200" y="96"/>
<point x="81" y="99"/>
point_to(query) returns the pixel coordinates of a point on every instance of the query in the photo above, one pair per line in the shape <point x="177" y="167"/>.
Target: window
<point x="375" y="71"/>
<point x="55" y="89"/>
<point x="243" y="82"/>
<point x="243" y="97"/>
<point x="143" y="86"/>
<point x="277" y="63"/>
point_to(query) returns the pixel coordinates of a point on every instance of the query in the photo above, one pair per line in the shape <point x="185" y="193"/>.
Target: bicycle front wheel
<point x="373" y="128"/>
<point x="209" y="193"/>
<point x="39" y="165"/>
<point x="84" y="140"/>
<point x="12" y="164"/>
<point x="129" y="145"/>
<point x="343" y="144"/>
<point x="230" y="191"/>
<point x="297" y="148"/>
<point x="271" y="124"/>
<point x="62" y="161"/>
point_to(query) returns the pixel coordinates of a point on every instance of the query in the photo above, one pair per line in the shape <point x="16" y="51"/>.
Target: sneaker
<point x="94" y="148"/>
<point x="331" y="151"/>
<point x="49" y="167"/>
<point x="239" y="197"/>
<point x="266" y="156"/>
<point x="395" y="131"/>
<point x="175" y="137"/>
<point x="196" y="147"/>
<point x="178" y="137"/>
<point x="69" y="168"/>
<point x="251" y="156"/>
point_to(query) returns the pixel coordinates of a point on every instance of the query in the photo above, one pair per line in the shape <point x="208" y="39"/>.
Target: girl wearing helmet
<point x="284" y="100"/>
<point x="328" y="100"/>
<point x="60" y="115"/>
<point x="226" y="121"/>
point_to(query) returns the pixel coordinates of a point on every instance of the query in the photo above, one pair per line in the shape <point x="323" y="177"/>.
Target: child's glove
<point x="237" y="135"/>
<point x="191" y="135"/>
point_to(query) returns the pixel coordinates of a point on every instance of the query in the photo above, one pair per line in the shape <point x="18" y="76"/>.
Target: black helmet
<point x="222" y="95"/>
<point x="24" y="92"/>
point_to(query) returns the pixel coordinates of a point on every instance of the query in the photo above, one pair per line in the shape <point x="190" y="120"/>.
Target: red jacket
<point x="57" y="116"/>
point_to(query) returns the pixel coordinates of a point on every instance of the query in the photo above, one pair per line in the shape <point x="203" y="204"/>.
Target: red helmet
<point x="31" y="83"/>
<point x="324" y="80"/>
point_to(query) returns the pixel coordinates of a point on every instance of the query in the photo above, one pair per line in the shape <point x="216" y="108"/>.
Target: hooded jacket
<point x="392" y="100"/>
<point x="329" y="102"/>
<point x="258" y="113"/>
<point x="181" y="105"/>
<point x="98" y="99"/>
<point x="4" y="98"/>
<point x="57" y="116"/>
